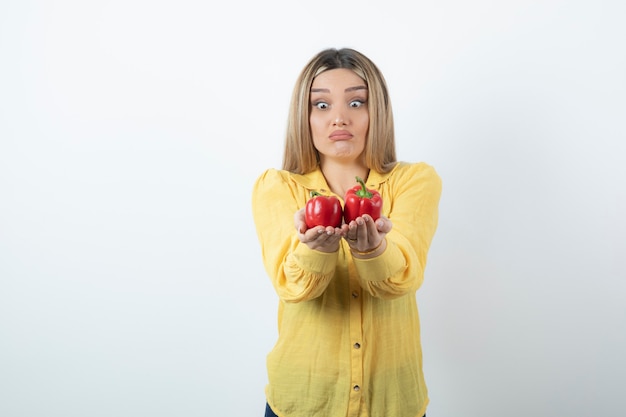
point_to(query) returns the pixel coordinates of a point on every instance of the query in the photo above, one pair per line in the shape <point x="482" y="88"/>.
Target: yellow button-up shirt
<point x="348" y="329"/>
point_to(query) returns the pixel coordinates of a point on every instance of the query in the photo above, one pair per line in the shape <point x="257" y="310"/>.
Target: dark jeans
<point x="270" y="413"/>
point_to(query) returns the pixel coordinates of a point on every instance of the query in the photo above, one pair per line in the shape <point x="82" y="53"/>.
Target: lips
<point x="340" y="135"/>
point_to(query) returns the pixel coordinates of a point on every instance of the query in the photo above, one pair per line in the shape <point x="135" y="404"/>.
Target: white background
<point x="131" y="133"/>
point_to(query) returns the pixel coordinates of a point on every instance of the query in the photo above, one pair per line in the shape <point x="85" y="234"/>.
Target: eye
<point x="355" y="104"/>
<point x="321" y="105"/>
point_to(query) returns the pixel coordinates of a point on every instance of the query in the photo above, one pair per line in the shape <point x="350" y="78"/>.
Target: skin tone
<point x="339" y="124"/>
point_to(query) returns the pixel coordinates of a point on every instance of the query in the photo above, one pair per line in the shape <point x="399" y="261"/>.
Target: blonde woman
<point x="349" y="332"/>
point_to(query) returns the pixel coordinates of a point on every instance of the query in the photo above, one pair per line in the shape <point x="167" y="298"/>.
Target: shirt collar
<point x="315" y="180"/>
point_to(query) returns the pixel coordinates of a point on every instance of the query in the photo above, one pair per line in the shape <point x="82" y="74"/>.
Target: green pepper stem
<point x="314" y="193"/>
<point x="363" y="192"/>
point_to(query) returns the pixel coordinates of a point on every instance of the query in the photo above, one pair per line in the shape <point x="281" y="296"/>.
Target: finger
<point x="323" y="233"/>
<point x="364" y="229"/>
<point x="325" y="241"/>
<point x="310" y="235"/>
<point x="299" y="221"/>
<point x="384" y="225"/>
<point x="372" y="231"/>
<point x="351" y="231"/>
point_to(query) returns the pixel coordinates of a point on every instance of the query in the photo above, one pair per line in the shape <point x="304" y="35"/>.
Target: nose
<point x="339" y="120"/>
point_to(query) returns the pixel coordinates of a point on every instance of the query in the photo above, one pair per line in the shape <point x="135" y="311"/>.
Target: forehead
<point x="338" y="78"/>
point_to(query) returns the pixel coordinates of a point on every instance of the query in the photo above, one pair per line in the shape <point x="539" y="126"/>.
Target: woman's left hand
<point x="366" y="236"/>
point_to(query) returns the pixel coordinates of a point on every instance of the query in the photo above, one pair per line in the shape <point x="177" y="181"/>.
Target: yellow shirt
<point x="348" y="329"/>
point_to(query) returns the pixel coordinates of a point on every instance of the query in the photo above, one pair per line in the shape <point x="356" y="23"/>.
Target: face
<point x="339" y="116"/>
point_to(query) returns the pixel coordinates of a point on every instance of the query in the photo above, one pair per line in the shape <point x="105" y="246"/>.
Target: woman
<point x="349" y="332"/>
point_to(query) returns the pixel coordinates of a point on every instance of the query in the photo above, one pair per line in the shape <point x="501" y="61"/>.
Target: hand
<point x="366" y="236"/>
<point x="323" y="239"/>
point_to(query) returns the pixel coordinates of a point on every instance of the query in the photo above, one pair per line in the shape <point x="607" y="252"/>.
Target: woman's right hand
<point x="323" y="239"/>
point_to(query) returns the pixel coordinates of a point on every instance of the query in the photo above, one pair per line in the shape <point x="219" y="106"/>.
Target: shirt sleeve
<point x="297" y="272"/>
<point x="413" y="198"/>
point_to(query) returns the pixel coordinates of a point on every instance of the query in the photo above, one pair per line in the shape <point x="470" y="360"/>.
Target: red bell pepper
<point x="359" y="201"/>
<point x="322" y="210"/>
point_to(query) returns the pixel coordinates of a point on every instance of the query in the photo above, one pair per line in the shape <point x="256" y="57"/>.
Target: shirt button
<point x="355" y="294"/>
<point x="356" y="388"/>
<point x="357" y="345"/>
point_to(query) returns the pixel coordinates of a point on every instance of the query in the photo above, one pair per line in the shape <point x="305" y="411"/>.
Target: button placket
<point x="355" y="306"/>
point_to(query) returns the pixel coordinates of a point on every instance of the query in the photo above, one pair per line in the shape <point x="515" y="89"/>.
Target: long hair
<point x="300" y="155"/>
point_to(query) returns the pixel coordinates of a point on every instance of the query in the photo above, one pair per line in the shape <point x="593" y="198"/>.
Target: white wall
<point x="131" y="133"/>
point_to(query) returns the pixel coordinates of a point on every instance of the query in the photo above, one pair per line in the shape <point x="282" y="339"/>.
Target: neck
<point x="341" y="177"/>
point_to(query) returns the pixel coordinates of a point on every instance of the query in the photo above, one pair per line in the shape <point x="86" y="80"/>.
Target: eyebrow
<point x="347" y="90"/>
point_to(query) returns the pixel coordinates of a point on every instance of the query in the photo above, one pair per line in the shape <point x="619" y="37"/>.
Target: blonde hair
<point x="300" y="155"/>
